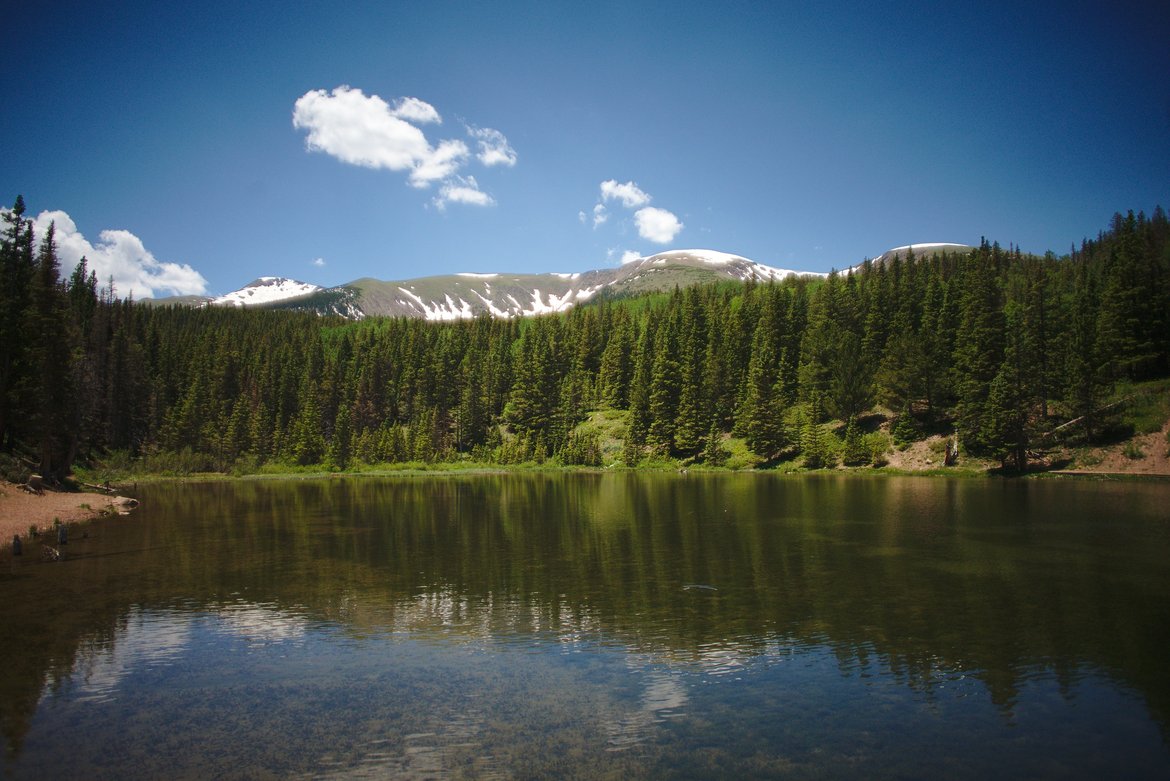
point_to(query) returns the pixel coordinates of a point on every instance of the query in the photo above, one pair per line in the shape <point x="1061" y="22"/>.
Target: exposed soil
<point x="1152" y="453"/>
<point x="20" y="510"/>
<point x="928" y="454"/>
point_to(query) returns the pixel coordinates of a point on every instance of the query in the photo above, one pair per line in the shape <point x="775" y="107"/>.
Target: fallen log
<point x="1075" y="421"/>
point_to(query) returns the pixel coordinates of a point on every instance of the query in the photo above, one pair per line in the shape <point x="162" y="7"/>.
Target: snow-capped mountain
<point x="919" y="250"/>
<point x="469" y="294"/>
<point x="733" y="266"/>
<point x="265" y="290"/>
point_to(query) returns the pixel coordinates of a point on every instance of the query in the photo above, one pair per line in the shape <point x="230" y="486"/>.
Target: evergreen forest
<point x="993" y="345"/>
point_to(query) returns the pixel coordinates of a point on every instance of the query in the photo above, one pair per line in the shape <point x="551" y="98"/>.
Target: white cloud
<point x="657" y="225"/>
<point x="319" y="262"/>
<point x="359" y="130"/>
<point x="120" y="255"/>
<point x="581" y="217"/>
<point x="629" y="193"/>
<point x="462" y="190"/>
<point x="364" y="130"/>
<point x="418" y="111"/>
<point x="629" y="256"/>
<point x="494" y="148"/>
<point x="599" y="215"/>
<point x="442" y="162"/>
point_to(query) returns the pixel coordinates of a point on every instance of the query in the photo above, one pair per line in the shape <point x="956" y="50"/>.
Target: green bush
<point x="581" y="449"/>
<point x="905" y="431"/>
<point x="12" y="469"/>
<point x="853" y="449"/>
<point x="877" y="445"/>
<point x="818" y="446"/>
<point x="183" y="462"/>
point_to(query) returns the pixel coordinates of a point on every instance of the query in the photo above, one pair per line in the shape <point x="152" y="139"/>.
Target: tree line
<point x="996" y="344"/>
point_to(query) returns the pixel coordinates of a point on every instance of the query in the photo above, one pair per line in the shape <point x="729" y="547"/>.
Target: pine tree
<point x="854" y="452"/>
<point x="1088" y="354"/>
<point x="340" y="446"/>
<point x="17" y="270"/>
<point x="1010" y="398"/>
<point x="693" y="407"/>
<point x="979" y="342"/>
<point x="761" y="417"/>
<point x="306" y="443"/>
<point x="639" y="426"/>
<point x="813" y="444"/>
<point x="665" y="385"/>
<point x="617" y="364"/>
<point x="533" y="399"/>
<point x="714" y="454"/>
<point x="52" y="339"/>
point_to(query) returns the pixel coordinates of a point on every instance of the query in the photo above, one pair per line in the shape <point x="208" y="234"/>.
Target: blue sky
<point x="162" y="138"/>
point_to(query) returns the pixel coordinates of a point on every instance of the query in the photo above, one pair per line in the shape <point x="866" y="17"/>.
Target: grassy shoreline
<point x="466" y="468"/>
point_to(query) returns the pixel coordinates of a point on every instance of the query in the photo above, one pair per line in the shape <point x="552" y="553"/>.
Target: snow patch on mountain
<point x="467" y="294"/>
<point x="935" y="245"/>
<point x="711" y="256"/>
<point x="265" y="290"/>
<point x="736" y="265"/>
<point x="555" y="303"/>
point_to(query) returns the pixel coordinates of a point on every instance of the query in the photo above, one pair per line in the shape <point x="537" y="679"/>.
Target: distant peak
<point x="711" y="256"/>
<point x="928" y="246"/>
<point x="265" y="290"/>
<point x="735" y="266"/>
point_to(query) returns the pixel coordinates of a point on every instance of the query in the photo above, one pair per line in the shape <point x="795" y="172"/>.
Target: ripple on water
<point x="145" y="640"/>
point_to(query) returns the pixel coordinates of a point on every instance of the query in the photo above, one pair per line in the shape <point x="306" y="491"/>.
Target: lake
<point x="598" y="626"/>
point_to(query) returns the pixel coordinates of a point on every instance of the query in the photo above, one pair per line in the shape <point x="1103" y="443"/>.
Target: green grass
<point x="609" y="426"/>
<point x="739" y="456"/>
<point x="1133" y="451"/>
<point x="1148" y="409"/>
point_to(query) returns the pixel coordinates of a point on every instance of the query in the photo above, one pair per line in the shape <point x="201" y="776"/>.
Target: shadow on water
<point x="683" y="606"/>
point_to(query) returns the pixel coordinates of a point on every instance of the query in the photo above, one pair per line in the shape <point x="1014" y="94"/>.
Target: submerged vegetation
<point x="1003" y="352"/>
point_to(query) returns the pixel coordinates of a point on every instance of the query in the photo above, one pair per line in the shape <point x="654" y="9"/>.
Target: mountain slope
<point x="266" y="290"/>
<point x="467" y="295"/>
<point x="919" y="250"/>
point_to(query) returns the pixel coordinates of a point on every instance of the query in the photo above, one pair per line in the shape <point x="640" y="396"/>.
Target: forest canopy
<point x="994" y="344"/>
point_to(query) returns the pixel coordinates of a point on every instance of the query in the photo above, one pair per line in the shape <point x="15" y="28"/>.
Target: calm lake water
<point x="598" y="626"/>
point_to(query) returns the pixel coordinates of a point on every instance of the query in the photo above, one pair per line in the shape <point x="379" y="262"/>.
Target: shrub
<point x="877" y="445"/>
<point x="817" y="445"/>
<point x="582" y="449"/>
<point x="905" y="431"/>
<point x="12" y="470"/>
<point x="853" y="450"/>
<point x="1133" y="451"/>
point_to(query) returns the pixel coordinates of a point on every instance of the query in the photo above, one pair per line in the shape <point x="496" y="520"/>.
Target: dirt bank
<point x="19" y="509"/>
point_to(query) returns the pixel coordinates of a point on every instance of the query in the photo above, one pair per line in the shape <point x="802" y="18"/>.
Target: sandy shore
<point x="19" y="510"/>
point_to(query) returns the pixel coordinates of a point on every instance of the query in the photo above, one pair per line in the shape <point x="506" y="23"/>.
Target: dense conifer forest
<point x="992" y="344"/>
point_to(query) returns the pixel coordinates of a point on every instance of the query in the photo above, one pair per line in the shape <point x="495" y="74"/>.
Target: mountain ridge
<point x="469" y="294"/>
